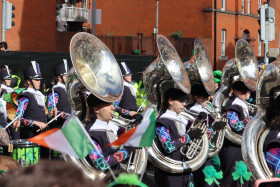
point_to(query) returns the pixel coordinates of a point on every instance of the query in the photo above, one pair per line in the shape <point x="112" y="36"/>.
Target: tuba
<point x="255" y="133"/>
<point x="165" y="72"/>
<point x="95" y="71"/>
<point x="244" y="65"/>
<point x="199" y="68"/>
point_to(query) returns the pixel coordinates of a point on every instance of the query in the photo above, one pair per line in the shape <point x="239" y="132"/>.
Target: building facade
<point x="125" y="25"/>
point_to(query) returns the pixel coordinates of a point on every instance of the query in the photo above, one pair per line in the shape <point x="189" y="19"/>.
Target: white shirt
<point x="103" y="125"/>
<point x="59" y="84"/>
<point x="40" y="98"/>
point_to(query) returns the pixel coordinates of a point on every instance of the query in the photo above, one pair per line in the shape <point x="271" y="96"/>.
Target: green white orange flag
<point x="141" y="135"/>
<point x="72" y="139"/>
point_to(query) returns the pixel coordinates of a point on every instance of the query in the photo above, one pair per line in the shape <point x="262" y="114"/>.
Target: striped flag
<point x="72" y="139"/>
<point x="141" y="135"/>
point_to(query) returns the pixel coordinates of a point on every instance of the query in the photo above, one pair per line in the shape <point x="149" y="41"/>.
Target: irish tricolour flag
<point x="142" y="135"/>
<point x="72" y="139"/>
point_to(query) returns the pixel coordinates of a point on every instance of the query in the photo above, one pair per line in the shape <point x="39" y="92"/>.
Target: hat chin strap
<point x="62" y="80"/>
<point x="33" y="85"/>
<point x="125" y="79"/>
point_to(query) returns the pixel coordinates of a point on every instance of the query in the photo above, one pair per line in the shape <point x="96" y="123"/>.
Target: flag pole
<point x="94" y="145"/>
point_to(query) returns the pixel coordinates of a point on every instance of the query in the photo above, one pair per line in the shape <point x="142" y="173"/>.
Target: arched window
<point x="246" y="34"/>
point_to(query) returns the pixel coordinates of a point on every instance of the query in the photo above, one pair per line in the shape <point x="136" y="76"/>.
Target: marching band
<point x="185" y="114"/>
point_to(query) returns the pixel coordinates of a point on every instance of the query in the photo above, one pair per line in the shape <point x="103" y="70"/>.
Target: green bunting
<point x="241" y="172"/>
<point x="211" y="175"/>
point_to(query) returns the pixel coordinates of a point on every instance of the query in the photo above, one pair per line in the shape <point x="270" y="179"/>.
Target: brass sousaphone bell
<point x="95" y="71"/>
<point x="199" y="68"/>
<point x="255" y="133"/>
<point x="243" y="65"/>
<point x="169" y="68"/>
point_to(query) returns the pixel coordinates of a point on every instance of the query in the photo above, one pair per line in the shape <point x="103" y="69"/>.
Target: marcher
<point x="238" y="116"/>
<point x="126" y="106"/>
<point x="171" y="131"/>
<point x="103" y="133"/>
<point x="57" y="101"/>
<point x="31" y="104"/>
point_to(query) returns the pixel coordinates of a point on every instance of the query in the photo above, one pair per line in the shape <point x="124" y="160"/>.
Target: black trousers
<point x="165" y="179"/>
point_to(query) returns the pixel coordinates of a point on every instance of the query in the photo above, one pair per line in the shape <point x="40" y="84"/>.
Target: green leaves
<point x="241" y="172"/>
<point x="211" y="175"/>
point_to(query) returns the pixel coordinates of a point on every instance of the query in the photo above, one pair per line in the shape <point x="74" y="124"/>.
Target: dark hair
<point x="174" y="94"/>
<point x="47" y="173"/>
<point x="93" y="101"/>
<point x="240" y="86"/>
<point x="199" y="90"/>
<point x="273" y="113"/>
<point x="4" y="44"/>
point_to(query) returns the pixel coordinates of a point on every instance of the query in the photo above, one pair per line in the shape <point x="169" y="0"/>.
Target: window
<point x="223" y="42"/>
<point x="246" y="34"/>
<point x="248" y="7"/>
<point x="260" y="2"/>
<point x="259" y="45"/>
<point x="243" y="6"/>
<point x="223" y="5"/>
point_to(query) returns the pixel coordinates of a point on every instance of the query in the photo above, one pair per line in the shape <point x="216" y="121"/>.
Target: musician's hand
<point x="64" y="115"/>
<point x="137" y="117"/>
<point x="130" y="149"/>
<point x="195" y="133"/>
<point x="26" y="122"/>
<point x="41" y="125"/>
<point x="53" y="112"/>
<point x="202" y="115"/>
<point x="16" y="124"/>
<point x="219" y="125"/>
<point x="132" y="113"/>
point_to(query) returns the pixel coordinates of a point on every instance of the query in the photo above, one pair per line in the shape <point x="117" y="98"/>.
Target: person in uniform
<point x="171" y="131"/>
<point x="201" y="99"/>
<point x="57" y="99"/>
<point x="15" y="81"/>
<point x="103" y="133"/>
<point x="6" y="80"/>
<point x="31" y="104"/>
<point x="126" y="106"/>
<point x="238" y="117"/>
<point x="271" y="147"/>
<point x="3" y="112"/>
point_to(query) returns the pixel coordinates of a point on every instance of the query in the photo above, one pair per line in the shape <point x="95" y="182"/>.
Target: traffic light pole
<point x="266" y="47"/>
<point x="3" y="22"/>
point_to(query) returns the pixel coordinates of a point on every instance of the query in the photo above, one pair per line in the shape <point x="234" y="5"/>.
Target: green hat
<point x="217" y="76"/>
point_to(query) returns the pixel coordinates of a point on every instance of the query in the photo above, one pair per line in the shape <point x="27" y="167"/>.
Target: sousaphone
<point x="255" y="133"/>
<point x="199" y="68"/>
<point x="165" y="72"/>
<point x="95" y="71"/>
<point x="243" y="65"/>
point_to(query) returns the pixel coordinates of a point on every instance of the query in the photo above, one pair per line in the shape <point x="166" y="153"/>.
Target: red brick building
<point x="125" y="25"/>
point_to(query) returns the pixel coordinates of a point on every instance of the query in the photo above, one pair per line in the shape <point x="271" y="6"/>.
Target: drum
<point x="11" y="111"/>
<point x="25" y="153"/>
<point x="15" y="94"/>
